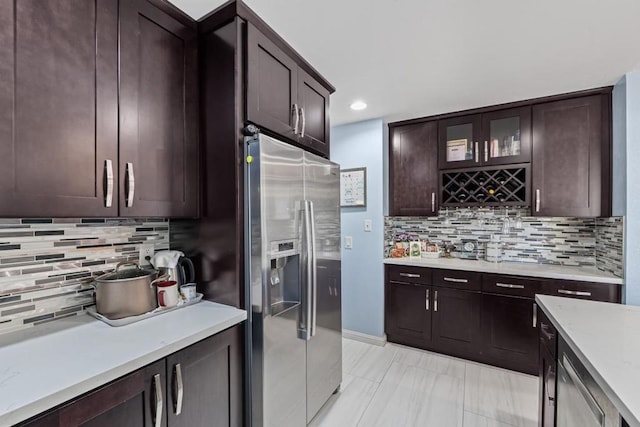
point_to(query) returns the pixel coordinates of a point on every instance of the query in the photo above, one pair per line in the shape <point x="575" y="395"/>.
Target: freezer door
<point x="324" y="348"/>
<point x="278" y="363"/>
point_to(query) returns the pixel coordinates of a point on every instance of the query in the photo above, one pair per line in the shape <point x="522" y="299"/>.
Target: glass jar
<point x="494" y="249"/>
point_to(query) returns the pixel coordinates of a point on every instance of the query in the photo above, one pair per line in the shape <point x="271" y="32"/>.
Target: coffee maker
<point x="176" y="265"/>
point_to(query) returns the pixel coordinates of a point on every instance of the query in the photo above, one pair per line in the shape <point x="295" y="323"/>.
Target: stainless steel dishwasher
<point x="580" y="402"/>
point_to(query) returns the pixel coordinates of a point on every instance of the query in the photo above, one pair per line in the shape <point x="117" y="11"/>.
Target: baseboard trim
<point x="366" y="338"/>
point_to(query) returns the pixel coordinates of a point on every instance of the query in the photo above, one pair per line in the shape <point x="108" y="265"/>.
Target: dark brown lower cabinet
<point x="408" y="313"/>
<point x="488" y="318"/>
<point x="208" y="373"/>
<point x="509" y="332"/>
<point x="134" y="400"/>
<point x="198" y="386"/>
<point x="456" y="322"/>
<point x="547" y="368"/>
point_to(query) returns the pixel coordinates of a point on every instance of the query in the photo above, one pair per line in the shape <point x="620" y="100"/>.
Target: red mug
<point x="167" y="293"/>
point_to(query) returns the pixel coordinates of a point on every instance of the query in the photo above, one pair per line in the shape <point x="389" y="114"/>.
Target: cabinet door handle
<point x="157" y="416"/>
<point x="544" y="328"/>
<point x="178" y="389"/>
<point x="535" y="314"/>
<point x="435" y="301"/>
<point x="409" y="275"/>
<point x="577" y="293"/>
<point x="477" y="151"/>
<point x="296" y="118"/>
<point x="304" y="122"/>
<point x="509" y="285"/>
<point x="537" y="200"/>
<point x="486" y="151"/>
<point x="433" y="202"/>
<point x="131" y="184"/>
<point x="108" y="197"/>
<point x="426" y="302"/>
<point x="454" y="280"/>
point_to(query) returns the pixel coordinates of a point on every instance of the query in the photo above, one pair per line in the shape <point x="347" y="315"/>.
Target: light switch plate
<point x="145" y="250"/>
<point x="348" y="242"/>
<point x="367" y="225"/>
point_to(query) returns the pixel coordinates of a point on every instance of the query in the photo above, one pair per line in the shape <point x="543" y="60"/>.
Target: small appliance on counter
<point x="468" y="249"/>
<point x="173" y="263"/>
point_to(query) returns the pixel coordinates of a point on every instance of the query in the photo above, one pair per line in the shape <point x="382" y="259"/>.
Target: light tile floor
<point x="395" y="386"/>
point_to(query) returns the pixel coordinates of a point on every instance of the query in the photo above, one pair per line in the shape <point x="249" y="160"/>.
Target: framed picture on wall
<point x="353" y="188"/>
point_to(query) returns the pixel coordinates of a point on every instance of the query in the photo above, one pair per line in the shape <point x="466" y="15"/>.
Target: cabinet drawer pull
<point x="157" y="417"/>
<point x="108" y="197"/>
<point x="578" y="293"/>
<point x="131" y="181"/>
<point x="296" y="118"/>
<point x="535" y="314"/>
<point x="178" y="389"/>
<point x="435" y="301"/>
<point x="426" y="303"/>
<point x="477" y="152"/>
<point x="409" y="275"/>
<point x="454" y="280"/>
<point x="509" y="285"/>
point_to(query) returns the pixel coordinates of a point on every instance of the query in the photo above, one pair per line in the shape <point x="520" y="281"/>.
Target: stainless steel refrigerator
<point x="292" y="282"/>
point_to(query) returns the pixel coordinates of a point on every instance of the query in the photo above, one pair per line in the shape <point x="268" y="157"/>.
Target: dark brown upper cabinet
<point x="413" y="170"/>
<point x="459" y="140"/>
<point x="272" y="93"/>
<point x="493" y="138"/>
<point x="506" y="136"/>
<point x="314" y="113"/>
<point x="571" y="164"/>
<point x="58" y="108"/>
<point x="158" y="113"/>
<point x="282" y="97"/>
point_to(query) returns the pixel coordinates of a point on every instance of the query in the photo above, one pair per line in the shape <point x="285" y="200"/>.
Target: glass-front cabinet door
<point x="459" y="139"/>
<point x="506" y="136"/>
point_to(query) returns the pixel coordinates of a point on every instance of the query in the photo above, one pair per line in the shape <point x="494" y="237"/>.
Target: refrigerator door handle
<point x="306" y="278"/>
<point x="312" y="268"/>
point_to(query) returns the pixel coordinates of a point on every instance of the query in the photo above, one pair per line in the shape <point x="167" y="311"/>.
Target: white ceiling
<point x="411" y="58"/>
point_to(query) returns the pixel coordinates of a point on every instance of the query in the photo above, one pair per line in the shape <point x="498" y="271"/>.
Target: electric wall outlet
<point x="367" y="225"/>
<point x="146" y="253"/>
<point x="348" y="242"/>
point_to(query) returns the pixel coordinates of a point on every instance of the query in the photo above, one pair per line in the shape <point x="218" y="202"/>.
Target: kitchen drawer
<point x="512" y="285"/>
<point x="406" y="274"/>
<point x="585" y="290"/>
<point x="548" y="333"/>
<point x="467" y="280"/>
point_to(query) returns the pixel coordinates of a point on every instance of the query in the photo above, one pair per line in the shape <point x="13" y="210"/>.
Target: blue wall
<point x="361" y="145"/>
<point x="626" y="157"/>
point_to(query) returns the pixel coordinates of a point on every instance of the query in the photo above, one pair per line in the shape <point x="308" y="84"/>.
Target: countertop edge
<point x="481" y="268"/>
<point x="599" y="379"/>
<point x="45" y="404"/>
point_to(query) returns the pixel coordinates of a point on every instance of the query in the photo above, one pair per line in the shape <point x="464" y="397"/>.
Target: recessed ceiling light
<point x="358" y="105"/>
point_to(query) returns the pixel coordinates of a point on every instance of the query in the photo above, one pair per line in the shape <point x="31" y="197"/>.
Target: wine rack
<point x="486" y="187"/>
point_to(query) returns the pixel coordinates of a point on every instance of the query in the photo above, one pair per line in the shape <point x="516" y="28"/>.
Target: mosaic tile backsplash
<point x="590" y="242"/>
<point x="47" y="265"/>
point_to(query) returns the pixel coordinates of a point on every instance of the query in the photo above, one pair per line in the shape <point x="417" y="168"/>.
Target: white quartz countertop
<point x="47" y="365"/>
<point x="512" y="268"/>
<point x="606" y="339"/>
